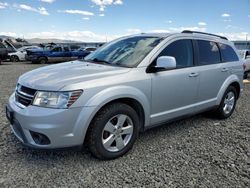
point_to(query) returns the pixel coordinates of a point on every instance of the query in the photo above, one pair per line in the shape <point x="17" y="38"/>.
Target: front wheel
<point x="113" y="131"/>
<point x="227" y="104"/>
<point x="14" y="58"/>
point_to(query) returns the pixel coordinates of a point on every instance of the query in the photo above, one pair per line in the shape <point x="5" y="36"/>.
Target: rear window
<point x="227" y="53"/>
<point x="208" y="52"/>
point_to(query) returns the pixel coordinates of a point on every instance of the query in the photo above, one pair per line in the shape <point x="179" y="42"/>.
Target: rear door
<point x="67" y="53"/>
<point x="56" y="55"/>
<point x="213" y="72"/>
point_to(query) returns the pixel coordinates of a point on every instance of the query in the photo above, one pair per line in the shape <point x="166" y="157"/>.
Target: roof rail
<point x="191" y="32"/>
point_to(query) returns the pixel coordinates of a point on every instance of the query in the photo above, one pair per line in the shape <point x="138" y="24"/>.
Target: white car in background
<point x="19" y="55"/>
<point x="245" y="55"/>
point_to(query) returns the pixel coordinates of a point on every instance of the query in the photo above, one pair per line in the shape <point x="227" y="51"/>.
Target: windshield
<point x="127" y="52"/>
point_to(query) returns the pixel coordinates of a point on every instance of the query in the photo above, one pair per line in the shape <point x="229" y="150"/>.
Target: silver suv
<point x="126" y="86"/>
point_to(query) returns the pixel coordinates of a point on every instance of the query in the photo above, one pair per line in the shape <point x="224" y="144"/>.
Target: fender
<point x="226" y="84"/>
<point x="105" y="96"/>
<point x="95" y="103"/>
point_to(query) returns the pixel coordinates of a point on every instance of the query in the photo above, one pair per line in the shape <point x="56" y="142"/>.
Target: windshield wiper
<point x="96" y="60"/>
<point x="99" y="61"/>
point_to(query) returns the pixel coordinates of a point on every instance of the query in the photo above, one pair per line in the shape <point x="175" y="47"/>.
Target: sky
<point x="105" y="20"/>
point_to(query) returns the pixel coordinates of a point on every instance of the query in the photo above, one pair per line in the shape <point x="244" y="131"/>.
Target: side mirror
<point x="165" y="63"/>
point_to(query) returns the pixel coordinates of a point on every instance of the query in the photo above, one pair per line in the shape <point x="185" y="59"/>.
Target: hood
<point x="55" y="77"/>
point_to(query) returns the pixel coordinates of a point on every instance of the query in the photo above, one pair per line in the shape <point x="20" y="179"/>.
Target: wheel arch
<point x="133" y="97"/>
<point x="230" y="81"/>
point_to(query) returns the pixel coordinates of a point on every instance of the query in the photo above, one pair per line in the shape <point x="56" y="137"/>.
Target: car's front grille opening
<point x="28" y="90"/>
<point x="39" y="138"/>
<point x="24" y="95"/>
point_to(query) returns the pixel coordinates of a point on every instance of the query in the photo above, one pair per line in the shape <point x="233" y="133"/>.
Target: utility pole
<point x="246" y="40"/>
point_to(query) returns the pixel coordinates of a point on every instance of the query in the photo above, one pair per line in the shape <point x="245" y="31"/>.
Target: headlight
<point x="56" y="99"/>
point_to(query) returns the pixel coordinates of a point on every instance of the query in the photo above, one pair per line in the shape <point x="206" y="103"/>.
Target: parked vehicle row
<point x="57" y="53"/>
<point x="129" y="85"/>
<point x="49" y="53"/>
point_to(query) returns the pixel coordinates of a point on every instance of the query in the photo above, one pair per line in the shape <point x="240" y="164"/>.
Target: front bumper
<point x="63" y="127"/>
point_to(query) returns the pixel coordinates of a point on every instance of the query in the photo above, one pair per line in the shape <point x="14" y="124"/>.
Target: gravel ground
<point x="196" y="152"/>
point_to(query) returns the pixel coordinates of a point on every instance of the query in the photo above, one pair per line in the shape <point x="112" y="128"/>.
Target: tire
<point x="245" y="75"/>
<point x="14" y="58"/>
<point x="42" y="60"/>
<point x="105" y="129"/>
<point x="224" y="112"/>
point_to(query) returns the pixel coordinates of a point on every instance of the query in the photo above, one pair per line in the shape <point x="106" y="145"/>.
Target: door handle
<point x="224" y="70"/>
<point x="193" y="74"/>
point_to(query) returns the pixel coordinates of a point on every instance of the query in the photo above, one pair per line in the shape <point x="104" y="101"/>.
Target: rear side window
<point x="182" y="50"/>
<point x="227" y="53"/>
<point x="208" y="52"/>
<point x="1" y="45"/>
<point x="66" y="49"/>
<point x="57" y="49"/>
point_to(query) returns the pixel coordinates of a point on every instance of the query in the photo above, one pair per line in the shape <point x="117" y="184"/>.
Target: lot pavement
<point x="195" y="152"/>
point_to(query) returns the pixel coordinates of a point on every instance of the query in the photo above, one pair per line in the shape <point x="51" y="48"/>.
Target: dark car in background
<point x="3" y="52"/>
<point x="55" y="53"/>
<point x="5" y="48"/>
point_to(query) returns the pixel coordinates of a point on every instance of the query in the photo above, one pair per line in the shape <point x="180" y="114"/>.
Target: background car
<point x="5" y="48"/>
<point x="55" y="53"/>
<point x="20" y="54"/>
<point x="245" y="55"/>
<point x="87" y="49"/>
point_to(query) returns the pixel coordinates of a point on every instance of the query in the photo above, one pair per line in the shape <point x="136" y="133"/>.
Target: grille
<point x="24" y="95"/>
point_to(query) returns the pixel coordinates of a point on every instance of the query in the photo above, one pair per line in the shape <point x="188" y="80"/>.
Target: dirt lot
<point x="196" y="152"/>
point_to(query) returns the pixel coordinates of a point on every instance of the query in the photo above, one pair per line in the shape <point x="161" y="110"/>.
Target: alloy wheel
<point x="229" y="102"/>
<point x="117" y="133"/>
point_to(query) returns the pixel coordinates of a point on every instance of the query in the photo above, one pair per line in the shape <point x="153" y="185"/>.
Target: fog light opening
<point x="39" y="138"/>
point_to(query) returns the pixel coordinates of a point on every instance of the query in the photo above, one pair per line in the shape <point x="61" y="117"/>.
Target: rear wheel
<point x="42" y="60"/>
<point x="14" y="58"/>
<point x="113" y="131"/>
<point x="245" y="75"/>
<point x="227" y="104"/>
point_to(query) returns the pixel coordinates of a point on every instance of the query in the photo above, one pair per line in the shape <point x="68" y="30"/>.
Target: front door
<point x="174" y="92"/>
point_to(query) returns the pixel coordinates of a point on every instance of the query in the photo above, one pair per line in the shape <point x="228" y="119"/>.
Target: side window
<point x="227" y="53"/>
<point x="208" y="52"/>
<point x="1" y="45"/>
<point x="57" y="49"/>
<point x="66" y="49"/>
<point x="182" y="50"/>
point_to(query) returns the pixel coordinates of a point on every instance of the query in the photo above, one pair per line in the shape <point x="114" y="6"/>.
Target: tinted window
<point x="57" y="49"/>
<point x="182" y="50"/>
<point x="90" y="49"/>
<point x="227" y="53"/>
<point x="66" y="49"/>
<point x="208" y="52"/>
<point x="1" y="45"/>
